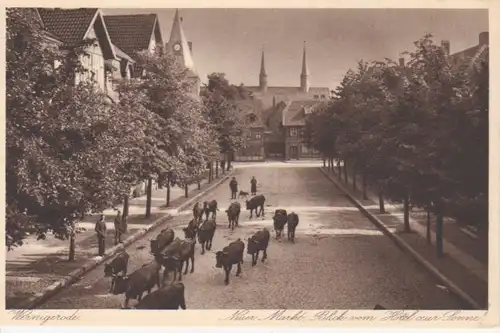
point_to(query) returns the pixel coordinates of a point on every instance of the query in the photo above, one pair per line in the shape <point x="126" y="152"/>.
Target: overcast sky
<point x="231" y="40"/>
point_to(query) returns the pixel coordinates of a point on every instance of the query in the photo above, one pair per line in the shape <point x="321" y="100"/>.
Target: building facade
<point x="294" y="120"/>
<point x="278" y="104"/>
<point x="254" y="150"/>
<point x="73" y="26"/>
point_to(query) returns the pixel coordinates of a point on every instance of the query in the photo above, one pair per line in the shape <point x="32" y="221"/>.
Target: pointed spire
<point x="305" y="70"/>
<point x="177" y="37"/>
<point x="304" y="76"/>
<point x="262" y="64"/>
<point x="263" y="75"/>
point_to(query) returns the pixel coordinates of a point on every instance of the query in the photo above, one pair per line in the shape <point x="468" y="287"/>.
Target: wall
<point x="294" y="139"/>
<point x="255" y="147"/>
<point x="94" y="61"/>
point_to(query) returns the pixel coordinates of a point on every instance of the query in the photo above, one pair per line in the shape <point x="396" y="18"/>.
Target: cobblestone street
<point x="340" y="260"/>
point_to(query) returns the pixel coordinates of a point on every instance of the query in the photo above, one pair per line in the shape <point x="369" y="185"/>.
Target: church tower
<point x="263" y="75"/>
<point x="304" y="76"/>
<point x="182" y="50"/>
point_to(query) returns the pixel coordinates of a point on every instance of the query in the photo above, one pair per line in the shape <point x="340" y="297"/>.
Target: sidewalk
<point x="465" y="261"/>
<point x="38" y="264"/>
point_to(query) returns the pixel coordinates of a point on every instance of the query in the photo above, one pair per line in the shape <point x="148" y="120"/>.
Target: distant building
<point x="294" y="120"/>
<point x="278" y="104"/>
<point x="254" y="151"/>
<point x="474" y="54"/>
<point x="271" y="95"/>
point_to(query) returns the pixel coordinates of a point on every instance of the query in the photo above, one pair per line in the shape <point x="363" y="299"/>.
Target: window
<point x="305" y="150"/>
<point x="257" y="136"/>
<point x="293" y="132"/>
<point x="323" y="96"/>
<point x="316" y="96"/>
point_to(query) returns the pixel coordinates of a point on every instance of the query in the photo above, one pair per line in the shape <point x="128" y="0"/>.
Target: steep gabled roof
<point x="71" y="26"/>
<point x="131" y="33"/>
<point x="177" y="36"/>
<point x="249" y="107"/>
<point x="294" y="115"/>
<point x="122" y="55"/>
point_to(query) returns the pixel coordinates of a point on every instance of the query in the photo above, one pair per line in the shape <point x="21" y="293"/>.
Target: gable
<point x="69" y="25"/>
<point x="131" y="33"/>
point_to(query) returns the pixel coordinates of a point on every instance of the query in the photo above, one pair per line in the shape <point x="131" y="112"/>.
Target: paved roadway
<point x="340" y="260"/>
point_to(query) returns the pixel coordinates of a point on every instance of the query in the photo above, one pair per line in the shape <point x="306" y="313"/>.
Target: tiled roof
<point x="121" y="54"/>
<point x="293" y="115"/>
<point x="131" y="33"/>
<point x="251" y="107"/>
<point x="70" y="25"/>
<point x="472" y="54"/>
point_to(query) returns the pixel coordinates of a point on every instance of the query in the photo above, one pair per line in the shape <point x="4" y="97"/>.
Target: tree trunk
<point x="186" y="190"/>
<point x="353" y="179"/>
<point x="125" y="213"/>
<point x="217" y="169"/>
<point x="428" y="228"/>
<point x="381" y="205"/>
<point x="72" y="244"/>
<point x="324" y="163"/>
<point x="209" y="172"/>
<point x="168" y="193"/>
<point x="406" y="214"/>
<point x="363" y="181"/>
<point x="229" y="159"/>
<point x="345" y="173"/>
<point x="439" y="232"/>
<point x="339" y="169"/>
<point x="125" y="206"/>
<point x="199" y="185"/>
<point x="149" y="193"/>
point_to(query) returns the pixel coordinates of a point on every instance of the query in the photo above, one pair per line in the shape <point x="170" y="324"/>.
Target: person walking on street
<point x="100" y="229"/>
<point x="233" y="185"/>
<point x="253" y="186"/>
<point x="118" y="227"/>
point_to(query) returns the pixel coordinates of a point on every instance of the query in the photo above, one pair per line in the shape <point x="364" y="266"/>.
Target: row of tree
<point x="415" y="132"/>
<point x="71" y="153"/>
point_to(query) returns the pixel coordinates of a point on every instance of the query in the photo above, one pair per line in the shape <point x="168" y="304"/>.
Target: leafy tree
<point x="57" y="134"/>
<point x="177" y="142"/>
<point x="229" y="122"/>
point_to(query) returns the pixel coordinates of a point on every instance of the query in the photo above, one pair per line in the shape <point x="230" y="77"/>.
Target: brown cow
<point x="229" y="256"/>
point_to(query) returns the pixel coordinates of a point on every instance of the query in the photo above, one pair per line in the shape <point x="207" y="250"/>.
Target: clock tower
<point x="182" y="50"/>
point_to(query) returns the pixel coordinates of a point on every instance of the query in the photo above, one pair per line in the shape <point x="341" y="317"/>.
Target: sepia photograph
<point x="247" y="158"/>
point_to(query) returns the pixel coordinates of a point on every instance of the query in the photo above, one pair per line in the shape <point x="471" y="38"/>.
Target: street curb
<point x="403" y="245"/>
<point x="73" y="276"/>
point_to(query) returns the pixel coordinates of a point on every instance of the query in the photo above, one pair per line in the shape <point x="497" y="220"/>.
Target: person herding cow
<point x="118" y="227"/>
<point x="100" y="229"/>
<point x="233" y="186"/>
<point x="253" y="186"/>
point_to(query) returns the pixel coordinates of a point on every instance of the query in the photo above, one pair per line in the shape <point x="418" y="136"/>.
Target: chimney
<point x="445" y="44"/>
<point x="190" y="47"/>
<point x="484" y="38"/>
<point x="402" y="62"/>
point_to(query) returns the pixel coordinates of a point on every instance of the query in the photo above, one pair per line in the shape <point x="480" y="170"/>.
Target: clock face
<point x="177" y="47"/>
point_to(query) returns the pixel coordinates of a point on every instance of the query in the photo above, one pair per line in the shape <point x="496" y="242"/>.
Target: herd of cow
<point x="171" y="253"/>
